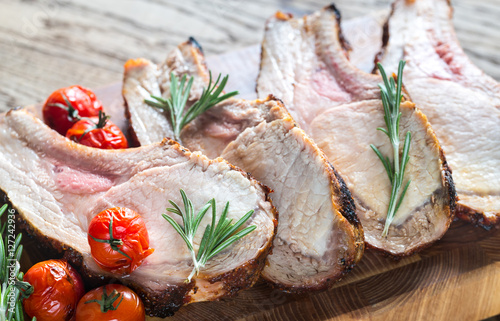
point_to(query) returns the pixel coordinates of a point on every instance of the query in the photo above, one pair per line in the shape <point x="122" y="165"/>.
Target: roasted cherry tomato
<point x="57" y="288"/>
<point x="97" y="132"/>
<point x="119" y="240"/>
<point x="65" y="106"/>
<point x="113" y="302"/>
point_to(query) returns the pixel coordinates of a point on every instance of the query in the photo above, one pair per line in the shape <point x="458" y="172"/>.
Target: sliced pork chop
<point x="462" y="103"/>
<point x="340" y="107"/>
<point x="58" y="186"/>
<point x="142" y="78"/>
<point x="319" y="238"/>
<point x="424" y="214"/>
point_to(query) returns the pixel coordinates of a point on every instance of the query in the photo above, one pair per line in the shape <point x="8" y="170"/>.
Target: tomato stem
<point x="72" y="112"/>
<point x="106" y="302"/>
<point x="115" y="244"/>
<point x="103" y="119"/>
<point x="25" y="288"/>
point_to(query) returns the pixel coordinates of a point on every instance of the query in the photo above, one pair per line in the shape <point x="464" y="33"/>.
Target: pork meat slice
<point x="58" y="186"/>
<point x="340" y="107"/>
<point x="462" y="103"/>
<point x="319" y="238"/>
<point x="142" y="78"/>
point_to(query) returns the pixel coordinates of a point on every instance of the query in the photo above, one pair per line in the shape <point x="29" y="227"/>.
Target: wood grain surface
<point x="48" y="44"/>
<point x="87" y="43"/>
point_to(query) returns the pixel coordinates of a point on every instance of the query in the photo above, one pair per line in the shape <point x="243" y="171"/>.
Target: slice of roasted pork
<point x="305" y="62"/>
<point x="57" y="186"/>
<point x="142" y="78"/>
<point x="462" y="103"/>
<point x="319" y="238"/>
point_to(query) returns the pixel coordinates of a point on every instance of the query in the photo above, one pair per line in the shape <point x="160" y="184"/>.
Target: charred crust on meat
<point x="385" y="36"/>
<point x="239" y="278"/>
<point x="450" y="185"/>
<point x="280" y="102"/>
<point x="133" y="140"/>
<point x="195" y="44"/>
<point x="323" y="285"/>
<point x="476" y="218"/>
<point x="385" y="41"/>
<point x="343" y="41"/>
<point x="332" y="7"/>
<point x="348" y="209"/>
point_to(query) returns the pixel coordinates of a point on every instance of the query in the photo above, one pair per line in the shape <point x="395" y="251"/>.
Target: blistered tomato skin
<point x="57" y="289"/>
<point x="130" y="308"/>
<point x="108" y="137"/>
<point x="129" y="229"/>
<point x="55" y="113"/>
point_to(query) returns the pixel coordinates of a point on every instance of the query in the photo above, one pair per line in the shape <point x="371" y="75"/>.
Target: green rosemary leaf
<point x="402" y="195"/>
<point x="200" y="216"/>
<point x="231" y="240"/>
<point x="391" y="99"/>
<point x="204" y="241"/>
<point x="175" y="105"/>
<point x="179" y="230"/>
<point x="11" y="292"/>
<point x="384" y="160"/>
<point x="216" y="237"/>
<point x="238" y="224"/>
<point x="154" y="103"/>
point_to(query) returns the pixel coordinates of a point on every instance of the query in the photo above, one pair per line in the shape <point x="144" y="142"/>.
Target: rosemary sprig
<point x="391" y="99"/>
<point x="179" y="94"/>
<point x="217" y="236"/>
<point x="12" y="289"/>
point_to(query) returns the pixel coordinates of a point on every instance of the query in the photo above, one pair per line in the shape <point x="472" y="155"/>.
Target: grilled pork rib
<point x="304" y="61"/>
<point x="58" y="186"/>
<point x="319" y="238"/>
<point x="462" y="103"/>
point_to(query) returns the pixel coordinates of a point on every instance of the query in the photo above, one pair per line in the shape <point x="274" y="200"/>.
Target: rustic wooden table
<point x="48" y="44"/>
<point x="45" y="45"/>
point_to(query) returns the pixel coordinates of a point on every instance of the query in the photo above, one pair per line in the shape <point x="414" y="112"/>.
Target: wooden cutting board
<point x="458" y="278"/>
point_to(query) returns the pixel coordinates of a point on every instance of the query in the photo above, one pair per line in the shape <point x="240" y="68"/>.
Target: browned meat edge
<point x="470" y="215"/>
<point x="347" y="209"/>
<point x="133" y="141"/>
<point x="157" y="303"/>
<point x="343" y="41"/>
<point x="449" y="193"/>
